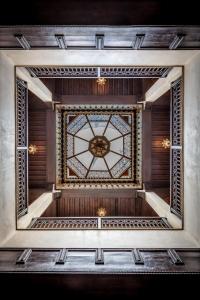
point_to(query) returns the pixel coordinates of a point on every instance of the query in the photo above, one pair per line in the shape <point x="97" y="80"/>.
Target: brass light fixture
<point x="101" y="81"/>
<point x="32" y="149"/>
<point x="101" y="212"/>
<point x="99" y="146"/>
<point x="166" y="143"/>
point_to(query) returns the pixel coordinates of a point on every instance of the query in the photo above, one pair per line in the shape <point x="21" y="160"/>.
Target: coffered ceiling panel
<point x="98" y="145"/>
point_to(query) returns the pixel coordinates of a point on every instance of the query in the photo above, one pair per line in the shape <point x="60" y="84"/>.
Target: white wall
<point x="102" y="239"/>
<point x="192" y="147"/>
<point x="7" y="148"/>
<point x="156" y="238"/>
<point x="100" y="57"/>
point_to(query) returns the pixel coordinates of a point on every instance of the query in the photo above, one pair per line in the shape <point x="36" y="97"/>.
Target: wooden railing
<point x="21" y="147"/>
<point x="176" y="153"/>
<point x="64" y="223"/>
<point x="99" y="223"/>
<point x="134" y="223"/>
<point x="94" y="72"/>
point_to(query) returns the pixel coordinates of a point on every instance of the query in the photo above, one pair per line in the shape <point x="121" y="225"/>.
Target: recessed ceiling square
<point x="98" y="145"/>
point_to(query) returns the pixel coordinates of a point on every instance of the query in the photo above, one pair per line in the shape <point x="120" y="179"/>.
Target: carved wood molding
<point x="176" y="151"/>
<point x="94" y="72"/>
<point x="21" y="147"/>
<point x="106" y="223"/>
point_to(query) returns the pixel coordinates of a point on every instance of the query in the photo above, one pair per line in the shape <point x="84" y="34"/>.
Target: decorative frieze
<point x="176" y="151"/>
<point x="21" y="147"/>
<point x="94" y="72"/>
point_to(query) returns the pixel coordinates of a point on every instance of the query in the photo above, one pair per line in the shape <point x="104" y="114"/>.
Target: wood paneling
<point x="102" y="100"/>
<point x="156" y="163"/>
<point x="42" y="119"/>
<point x="51" y="148"/>
<point x="113" y="87"/>
<point x="37" y="136"/>
<point x="164" y="193"/>
<point x="116" y="37"/>
<point x="147" y="83"/>
<point x="51" y="210"/>
<point x="146" y="146"/>
<point x="89" y="87"/>
<point x="34" y="193"/>
<point x="160" y="130"/>
<point x="86" y="203"/>
<point x="116" y="261"/>
<point x="112" y="12"/>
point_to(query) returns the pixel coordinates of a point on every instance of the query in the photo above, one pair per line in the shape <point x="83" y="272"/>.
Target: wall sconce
<point x="32" y="149"/>
<point x="166" y="143"/>
<point x="101" y="81"/>
<point x="101" y="212"/>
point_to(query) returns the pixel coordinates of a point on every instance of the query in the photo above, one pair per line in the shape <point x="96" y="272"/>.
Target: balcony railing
<point x="21" y="147"/>
<point x="176" y="152"/>
<point x="99" y="223"/>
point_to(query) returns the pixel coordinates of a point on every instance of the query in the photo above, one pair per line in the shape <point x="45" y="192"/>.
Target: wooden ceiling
<point x="100" y="12"/>
<point x="74" y="203"/>
<point x="100" y="37"/>
<point x="86" y="90"/>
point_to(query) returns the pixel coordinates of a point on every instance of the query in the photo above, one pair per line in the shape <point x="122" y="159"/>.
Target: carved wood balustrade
<point x="21" y="147"/>
<point x="176" y="151"/>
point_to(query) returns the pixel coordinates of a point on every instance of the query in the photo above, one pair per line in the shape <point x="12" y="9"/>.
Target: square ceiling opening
<point x="98" y="146"/>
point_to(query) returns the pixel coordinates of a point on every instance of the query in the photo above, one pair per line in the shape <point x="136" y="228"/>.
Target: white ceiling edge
<point x="101" y="239"/>
<point x="35" y="85"/>
<point x="100" y="57"/>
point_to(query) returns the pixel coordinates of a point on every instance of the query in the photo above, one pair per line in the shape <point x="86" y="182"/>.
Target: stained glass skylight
<point x="98" y="145"/>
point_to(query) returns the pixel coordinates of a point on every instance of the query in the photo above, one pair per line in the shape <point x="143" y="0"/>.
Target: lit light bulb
<point x="166" y="143"/>
<point x="101" y="81"/>
<point x="32" y="149"/>
<point x="101" y="212"/>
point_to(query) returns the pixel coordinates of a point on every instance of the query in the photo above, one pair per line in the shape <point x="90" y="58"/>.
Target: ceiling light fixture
<point x="166" y="143"/>
<point x="101" y="81"/>
<point x="101" y="212"/>
<point x="32" y="149"/>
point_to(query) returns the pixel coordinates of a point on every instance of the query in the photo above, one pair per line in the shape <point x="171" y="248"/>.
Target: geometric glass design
<point x="98" y="145"/>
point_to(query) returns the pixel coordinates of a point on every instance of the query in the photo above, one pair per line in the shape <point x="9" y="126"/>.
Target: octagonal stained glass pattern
<point x="98" y="145"/>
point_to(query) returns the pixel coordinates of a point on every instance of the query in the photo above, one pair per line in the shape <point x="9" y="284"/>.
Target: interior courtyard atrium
<point x="99" y="152"/>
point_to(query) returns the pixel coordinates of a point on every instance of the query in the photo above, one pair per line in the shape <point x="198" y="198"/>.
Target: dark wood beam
<point x="99" y="257"/>
<point x="138" y="41"/>
<point x="147" y="146"/>
<point x="22" y="259"/>
<point x="61" y="41"/>
<point x="23" y="41"/>
<point x="156" y="37"/>
<point x="175" y="258"/>
<point x="99" y="41"/>
<point x="137" y="257"/>
<point x="176" y="41"/>
<point x="62" y="257"/>
<point x="50" y="147"/>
